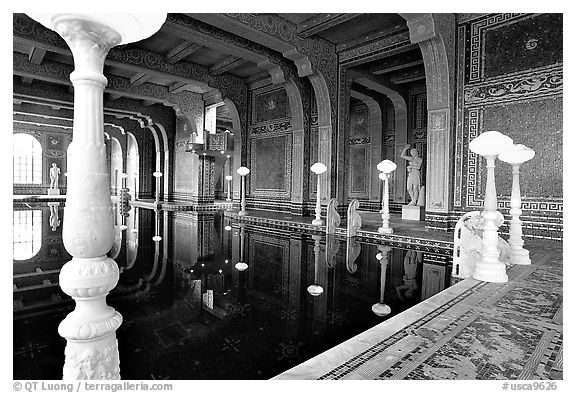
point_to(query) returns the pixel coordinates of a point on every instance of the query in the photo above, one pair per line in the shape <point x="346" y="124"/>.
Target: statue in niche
<point x="468" y="243"/>
<point x="410" y="286"/>
<point x="54" y="174"/>
<point x="414" y="182"/>
<point x="332" y="217"/>
<point x="354" y="219"/>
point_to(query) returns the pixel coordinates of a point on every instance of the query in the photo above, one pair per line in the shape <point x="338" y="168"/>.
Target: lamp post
<point x="90" y="330"/>
<point x="229" y="180"/>
<point x="156" y="237"/>
<point x="157" y="175"/>
<point x="517" y="155"/>
<point x="489" y="144"/>
<point x="315" y="289"/>
<point x="243" y="171"/>
<point x="318" y="168"/>
<point x="386" y="167"/>
<point x="381" y="309"/>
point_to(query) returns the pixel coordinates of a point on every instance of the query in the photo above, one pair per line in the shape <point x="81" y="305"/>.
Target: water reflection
<point x="190" y="313"/>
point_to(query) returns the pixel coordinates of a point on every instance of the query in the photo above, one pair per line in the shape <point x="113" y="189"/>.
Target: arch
<point x="400" y="134"/>
<point x="322" y="95"/>
<point x="375" y="142"/>
<point x="435" y="34"/>
<point x="298" y="170"/>
<point x="27" y="159"/>
<point x="27" y="235"/>
<point x="132" y="165"/>
<point x="165" y="166"/>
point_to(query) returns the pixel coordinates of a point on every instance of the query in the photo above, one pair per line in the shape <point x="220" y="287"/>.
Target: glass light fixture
<point x="241" y="266"/>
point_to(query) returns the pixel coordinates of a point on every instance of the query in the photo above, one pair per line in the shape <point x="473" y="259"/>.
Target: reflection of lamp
<point x="516" y="156"/>
<point x="243" y="171"/>
<point x="90" y="276"/>
<point x="386" y="167"/>
<point x="315" y="289"/>
<point x="489" y="144"/>
<point x="381" y="309"/>
<point x="157" y="236"/>
<point x="227" y="228"/>
<point x="241" y="266"/>
<point x="318" y="168"/>
<point x="228" y="179"/>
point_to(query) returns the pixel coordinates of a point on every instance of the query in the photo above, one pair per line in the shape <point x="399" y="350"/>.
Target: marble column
<point x="90" y="330"/>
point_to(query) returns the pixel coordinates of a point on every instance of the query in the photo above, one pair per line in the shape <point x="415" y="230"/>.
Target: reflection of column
<point x="90" y="330"/>
<point x="157" y="175"/>
<point x="315" y="289"/>
<point x="241" y="266"/>
<point x="381" y="309"/>
<point x="228" y="183"/>
<point x="489" y="144"/>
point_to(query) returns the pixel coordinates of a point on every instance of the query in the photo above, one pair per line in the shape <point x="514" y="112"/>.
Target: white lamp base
<point x="385" y="231"/>
<point x="242" y="213"/>
<point x="317" y="222"/>
<point x="53" y="191"/>
<point x="381" y="309"/>
<point x="520" y="257"/>
<point x="490" y="272"/>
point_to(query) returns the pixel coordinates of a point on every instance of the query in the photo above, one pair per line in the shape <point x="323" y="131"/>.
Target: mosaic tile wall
<point x="270" y="144"/>
<point x="510" y="78"/>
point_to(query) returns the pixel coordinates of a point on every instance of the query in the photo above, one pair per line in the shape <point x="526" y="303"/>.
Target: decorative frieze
<point x="376" y="47"/>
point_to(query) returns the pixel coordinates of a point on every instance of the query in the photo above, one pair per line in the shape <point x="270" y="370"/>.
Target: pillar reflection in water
<point x="316" y="289"/>
<point x="382" y="309"/>
<point x="241" y="265"/>
<point x="90" y="330"/>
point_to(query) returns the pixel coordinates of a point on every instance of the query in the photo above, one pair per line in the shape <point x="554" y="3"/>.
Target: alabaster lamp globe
<point x="130" y="27"/>
<point x="490" y="143"/>
<point x="241" y="266"/>
<point x="318" y="168"/>
<point x="157" y="174"/>
<point x="517" y="154"/>
<point x="386" y="166"/>
<point x="157" y="238"/>
<point x="243" y="171"/>
<point x="227" y="228"/>
<point x="123" y="175"/>
<point x="228" y="177"/>
<point x="315" y="290"/>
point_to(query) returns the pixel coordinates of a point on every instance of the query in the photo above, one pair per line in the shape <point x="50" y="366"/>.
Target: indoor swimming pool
<point x="214" y="298"/>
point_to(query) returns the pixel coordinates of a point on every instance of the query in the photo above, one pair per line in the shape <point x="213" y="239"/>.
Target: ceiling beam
<point x="139" y="78"/>
<point x="177" y="87"/>
<point x="114" y="97"/>
<point x="408" y="76"/>
<point x="372" y="36"/>
<point x="322" y="22"/>
<point x="148" y="102"/>
<point x="228" y="64"/>
<point x="36" y="55"/>
<point x="27" y="81"/>
<point x="399" y="66"/>
<point x="181" y="51"/>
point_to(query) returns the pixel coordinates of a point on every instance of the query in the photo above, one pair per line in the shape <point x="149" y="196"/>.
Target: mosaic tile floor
<point x="472" y="330"/>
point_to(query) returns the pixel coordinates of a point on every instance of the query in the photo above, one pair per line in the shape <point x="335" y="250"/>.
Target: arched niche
<point x="435" y="34"/>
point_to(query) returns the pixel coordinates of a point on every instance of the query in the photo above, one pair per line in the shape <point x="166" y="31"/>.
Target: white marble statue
<point x="468" y="244"/>
<point x="414" y="164"/>
<point x="54" y="219"/>
<point x="54" y="174"/>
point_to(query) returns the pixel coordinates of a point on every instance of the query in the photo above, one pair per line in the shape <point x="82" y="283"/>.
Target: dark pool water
<point x="189" y="313"/>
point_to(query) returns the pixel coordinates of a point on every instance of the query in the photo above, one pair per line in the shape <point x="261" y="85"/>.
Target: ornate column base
<point x="520" y="256"/>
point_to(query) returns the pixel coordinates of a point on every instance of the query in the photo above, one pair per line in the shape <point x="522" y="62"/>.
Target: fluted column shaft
<point x="385" y="228"/>
<point x="519" y="255"/>
<point x="489" y="268"/>
<point x="90" y="330"/>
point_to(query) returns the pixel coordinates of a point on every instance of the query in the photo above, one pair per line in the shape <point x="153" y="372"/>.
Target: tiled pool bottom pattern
<point x="488" y="331"/>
